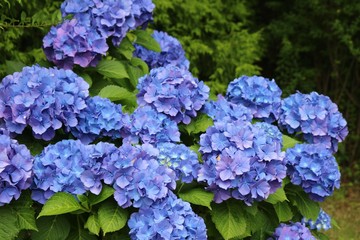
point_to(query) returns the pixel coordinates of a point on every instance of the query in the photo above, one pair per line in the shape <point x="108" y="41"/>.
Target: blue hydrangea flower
<point x="323" y="222"/>
<point x="16" y="165"/>
<point x="242" y="160"/>
<point x="44" y="99"/>
<point x="259" y="94"/>
<point x="100" y="118"/>
<point x="136" y="175"/>
<point x="314" y="115"/>
<point x="314" y="168"/>
<point x="69" y="166"/>
<point x="148" y="126"/>
<point x="171" y="52"/>
<point x="174" y="92"/>
<point x="168" y="218"/>
<point x="292" y="231"/>
<point x="179" y="158"/>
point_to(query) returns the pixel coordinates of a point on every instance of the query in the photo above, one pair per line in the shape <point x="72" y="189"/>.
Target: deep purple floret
<point x="292" y="231"/>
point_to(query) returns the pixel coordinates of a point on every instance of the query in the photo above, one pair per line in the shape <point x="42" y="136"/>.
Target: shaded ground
<point x="344" y="207"/>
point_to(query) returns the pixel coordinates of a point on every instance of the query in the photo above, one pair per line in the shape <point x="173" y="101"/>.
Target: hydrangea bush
<point x="118" y="151"/>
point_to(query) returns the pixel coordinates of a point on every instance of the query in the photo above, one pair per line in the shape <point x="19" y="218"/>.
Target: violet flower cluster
<point x="101" y="118"/>
<point x="316" y="116"/>
<point x="174" y="92"/>
<point x="16" y="165"/>
<point x="171" y="52"/>
<point x="292" y="231"/>
<point x="44" y="99"/>
<point x="168" y="218"/>
<point x="136" y="175"/>
<point x="259" y="94"/>
<point x="242" y="160"/>
<point x="314" y="168"/>
<point x="69" y="166"/>
<point x="323" y="222"/>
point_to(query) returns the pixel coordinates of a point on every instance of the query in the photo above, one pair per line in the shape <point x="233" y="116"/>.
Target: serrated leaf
<point x="278" y="196"/>
<point x="198" y="124"/>
<point x="289" y="142"/>
<point x="93" y="224"/>
<point x="112" y="69"/>
<point x="116" y="93"/>
<point x="112" y="217"/>
<point x="229" y="219"/>
<point x="283" y="211"/>
<point x="81" y="234"/>
<point x="307" y="207"/>
<point x="52" y="228"/>
<point x="125" y="49"/>
<point x="145" y="39"/>
<point x="24" y="212"/>
<point x="60" y="203"/>
<point x="198" y="196"/>
<point x="8" y="224"/>
<point x="134" y="73"/>
<point x="105" y="193"/>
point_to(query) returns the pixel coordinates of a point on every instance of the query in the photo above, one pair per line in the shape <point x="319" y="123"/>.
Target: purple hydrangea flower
<point x="323" y="222"/>
<point x="168" y="218"/>
<point x="100" y="118"/>
<point x="314" y="168"/>
<point x="171" y="52"/>
<point x="148" y="126"/>
<point x="259" y="94"/>
<point x="45" y="99"/>
<point x="316" y="116"/>
<point x="137" y="177"/>
<point x="242" y="160"/>
<point x="16" y="165"/>
<point x="179" y="158"/>
<point x="69" y="166"/>
<point x="292" y="231"/>
<point x="174" y="92"/>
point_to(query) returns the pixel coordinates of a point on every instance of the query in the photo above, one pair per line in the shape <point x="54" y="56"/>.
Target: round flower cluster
<point x="16" y="165"/>
<point x="259" y="94"/>
<point x="100" y="118"/>
<point x="314" y="168"/>
<point x="242" y="160"/>
<point x="69" y="166"/>
<point x="173" y="91"/>
<point x="323" y="222"/>
<point x="171" y="52"/>
<point x="168" y="218"/>
<point x="316" y="116"/>
<point x="146" y="125"/>
<point x="45" y="99"/>
<point x="181" y="159"/>
<point x="137" y="177"/>
<point x="292" y="231"/>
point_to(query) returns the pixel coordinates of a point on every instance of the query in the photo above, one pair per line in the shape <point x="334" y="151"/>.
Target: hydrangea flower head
<point x="168" y="218"/>
<point x="171" y="52"/>
<point x="259" y="94"/>
<point x="174" y="92"/>
<point x="314" y="168"/>
<point x="292" y="231"/>
<point x="100" y="118"/>
<point x="45" y="99"/>
<point x="16" y="165"/>
<point x="323" y="222"/>
<point x="316" y="116"/>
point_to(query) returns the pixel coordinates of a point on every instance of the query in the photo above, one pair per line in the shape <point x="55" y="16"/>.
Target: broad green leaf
<point x="283" y="211"/>
<point x="81" y="234"/>
<point x="262" y="224"/>
<point x="138" y="62"/>
<point x="112" y="217"/>
<point x="24" y="211"/>
<point x="112" y="69"/>
<point x="93" y="224"/>
<point x="116" y="93"/>
<point x="253" y="209"/>
<point x="198" y="124"/>
<point x="198" y="196"/>
<point x="229" y="219"/>
<point x="52" y="228"/>
<point x="288" y="142"/>
<point x="145" y="39"/>
<point x="8" y="223"/>
<point x="278" y="196"/>
<point x="134" y="73"/>
<point x="307" y="207"/>
<point x="84" y="201"/>
<point x="87" y="78"/>
<point x="60" y="203"/>
<point x="105" y="193"/>
<point x="14" y="66"/>
<point x="125" y="49"/>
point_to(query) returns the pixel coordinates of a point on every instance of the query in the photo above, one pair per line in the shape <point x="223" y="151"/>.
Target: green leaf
<point x="145" y="39"/>
<point x="134" y="73"/>
<point x="52" y="228"/>
<point x="81" y="234"/>
<point x="138" y="62"/>
<point x="198" y="124"/>
<point x="307" y="207"/>
<point x="112" y="69"/>
<point x="335" y="224"/>
<point x="116" y="93"/>
<point x="278" y="196"/>
<point x="14" y="66"/>
<point x="84" y="201"/>
<point x="125" y="49"/>
<point x="111" y="217"/>
<point x="105" y="193"/>
<point x="229" y="219"/>
<point x="198" y="196"/>
<point x="93" y="224"/>
<point x="283" y="211"/>
<point x="60" y="203"/>
<point x="289" y="142"/>
<point x="87" y="78"/>
<point x="8" y="224"/>
<point x="24" y="211"/>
